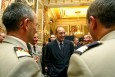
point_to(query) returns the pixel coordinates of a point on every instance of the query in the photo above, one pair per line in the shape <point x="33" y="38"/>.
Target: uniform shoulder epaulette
<point x="20" y="52"/>
<point x="84" y="48"/>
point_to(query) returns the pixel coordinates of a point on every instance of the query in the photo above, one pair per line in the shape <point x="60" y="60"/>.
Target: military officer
<point x="20" y="22"/>
<point x="97" y="60"/>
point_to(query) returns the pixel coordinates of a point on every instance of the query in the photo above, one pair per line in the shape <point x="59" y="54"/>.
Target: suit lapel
<point x="57" y="49"/>
<point x="65" y="48"/>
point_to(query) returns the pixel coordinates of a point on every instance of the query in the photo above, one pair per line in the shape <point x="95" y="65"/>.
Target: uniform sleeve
<point x="26" y="67"/>
<point x="78" y="68"/>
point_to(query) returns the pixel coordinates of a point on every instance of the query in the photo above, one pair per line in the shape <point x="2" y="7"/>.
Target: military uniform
<point x="95" y="62"/>
<point x="15" y="61"/>
<point x="37" y="52"/>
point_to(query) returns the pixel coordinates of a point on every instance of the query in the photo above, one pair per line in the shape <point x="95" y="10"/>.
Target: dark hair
<point x="14" y="14"/>
<point x="104" y="11"/>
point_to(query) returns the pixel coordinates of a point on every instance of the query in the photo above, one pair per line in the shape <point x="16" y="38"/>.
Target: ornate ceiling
<point x="68" y="8"/>
<point x="62" y="3"/>
<point x="70" y="12"/>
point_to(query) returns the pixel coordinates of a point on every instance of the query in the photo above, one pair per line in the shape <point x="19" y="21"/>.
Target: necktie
<point x="61" y="46"/>
<point x="34" y="49"/>
<point x="29" y="49"/>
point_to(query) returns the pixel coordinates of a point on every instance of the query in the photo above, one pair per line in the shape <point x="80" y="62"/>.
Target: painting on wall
<point x="77" y="30"/>
<point x="73" y="29"/>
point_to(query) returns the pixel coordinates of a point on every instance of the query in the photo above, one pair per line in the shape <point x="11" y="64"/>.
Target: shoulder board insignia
<point x="20" y="52"/>
<point x="84" y="48"/>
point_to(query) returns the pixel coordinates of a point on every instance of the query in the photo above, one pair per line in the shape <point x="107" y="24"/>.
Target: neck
<point x="18" y="35"/>
<point x="104" y="32"/>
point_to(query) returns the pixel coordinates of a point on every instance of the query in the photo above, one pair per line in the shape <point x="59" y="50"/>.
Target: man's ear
<point x="24" y="23"/>
<point x="93" y="22"/>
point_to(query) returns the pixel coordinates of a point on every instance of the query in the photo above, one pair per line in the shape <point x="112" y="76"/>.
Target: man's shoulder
<point x="14" y="50"/>
<point x="52" y="42"/>
<point x="88" y="47"/>
<point x="20" y="52"/>
<point x="102" y="48"/>
<point x="14" y="58"/>
<point x="68" y="41"/>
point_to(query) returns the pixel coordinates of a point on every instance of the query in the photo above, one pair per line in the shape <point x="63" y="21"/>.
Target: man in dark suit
<point x="58" y="53"/>
<point x="43" y="64"/>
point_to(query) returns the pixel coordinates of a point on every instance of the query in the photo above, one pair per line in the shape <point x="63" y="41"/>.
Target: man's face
<point x="35" y="38"/>
<point x="86" y="38"/>
<point x="76" y="41"/>
<point x="32" y="29"/>
<point x="92" y="31"/>
<point x="60" y="34"/>
<point x="52" y="37"/>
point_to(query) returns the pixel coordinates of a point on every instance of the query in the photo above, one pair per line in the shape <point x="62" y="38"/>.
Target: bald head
<point x="60" y="33"/>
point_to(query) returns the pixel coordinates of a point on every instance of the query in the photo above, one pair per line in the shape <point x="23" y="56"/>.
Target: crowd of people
<point x="20" y="55"/>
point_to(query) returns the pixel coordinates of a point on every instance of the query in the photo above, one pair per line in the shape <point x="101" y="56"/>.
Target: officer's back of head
<point x="14" y="14"/>
<point x="19" y="19"/>
<point x="20" y="22"/>
<point x="97" y="58"/>
<point x="102" y="14"/>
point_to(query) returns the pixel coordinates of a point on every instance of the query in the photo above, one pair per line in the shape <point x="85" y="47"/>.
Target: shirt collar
<point x="59" y="42"/>
<point x="16" y="41"/>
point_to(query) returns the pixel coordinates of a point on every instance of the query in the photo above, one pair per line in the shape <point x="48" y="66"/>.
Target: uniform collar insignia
<point x="20" y="52"/>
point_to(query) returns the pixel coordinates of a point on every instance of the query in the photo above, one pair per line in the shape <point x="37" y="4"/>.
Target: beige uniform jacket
<point x="96" y="62"/>
<point x="38" y="53"/>
<point x="11" y="65"/>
